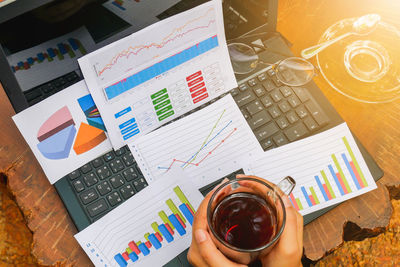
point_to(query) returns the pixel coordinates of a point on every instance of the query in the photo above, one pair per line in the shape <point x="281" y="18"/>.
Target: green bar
<point x="154" y="225"/>
<point x="299" y="204"/>
<point x="59" y="55"/>
<point x="128" y="250"/>
<point x="353" y="158"/>
<point x="182" y="197"/>
<point x="147" y="236"/>
<point x="164" y="110"/>
<point x="174" y="209"/>
<point x="159" y="93"/>
<point x="165" y="219"/>
<point x="166" y="115"/>
<point x="161" y="99"/>
<point x="163" y="104"/>
<point x="328" y="184"/>
<point x="138" y="243"/>
<point x="80" y="47"/>
<point x="341" y="173"/>
<point x="49" y="58"/>
<point x="69" y="51"/>
<point x="314" y="195"/>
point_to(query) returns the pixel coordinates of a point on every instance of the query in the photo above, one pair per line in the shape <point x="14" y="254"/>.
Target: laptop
<point x="277" y="114"/>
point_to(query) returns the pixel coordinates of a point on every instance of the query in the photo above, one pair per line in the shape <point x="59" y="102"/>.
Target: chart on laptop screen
<point x="159" y="73"/>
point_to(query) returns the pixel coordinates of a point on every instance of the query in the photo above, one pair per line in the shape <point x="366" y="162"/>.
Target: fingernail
<point x="225" y="180"/>
<point x="200" y="236"/>
<point x="286" y="201"/>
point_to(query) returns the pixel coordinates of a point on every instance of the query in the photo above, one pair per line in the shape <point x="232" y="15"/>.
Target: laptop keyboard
<point x="43" y="91"/>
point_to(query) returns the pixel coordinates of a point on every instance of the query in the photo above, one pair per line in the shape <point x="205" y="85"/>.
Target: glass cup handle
<point x="287" y="185"/>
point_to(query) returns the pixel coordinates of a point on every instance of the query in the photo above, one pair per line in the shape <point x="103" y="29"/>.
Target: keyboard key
<point x="97" y="162"/>
<point x="259" y="90"/>
<point x="75" y="174"/>
<point x="276" y="95"/>
<point x="274" y="111"/>
<point x="252" y="82"/>
<point x="302" y="112"/>
<point x="262" y="77"/>
<point x="277" y="82"/>
<point x="245" y="98"/>
<point x="89" y="196"/>
<point x="282" y="122"/>
<point x="117" y="181"/>
<point x="103" y="172"/>
<point x="103" y="188"/>
<point x="295" y="132"/>
<point x="266" y="131"/>
<point x="259" y="119"/>
<point x="284" y="106"/>
<point x="286" y="91"/>
<point x="267" y="144"/>
<point x="139" y="184"/>
<point x="127" y="191"/>
<point x="269" y="85"/>
<point x="301" y="93"/>
<point x="130" y="174"/>
<point x="90" y="179"/>
<point x="235" y="92"/>
<point x="245" y="113"/>
<point x="97" y="207"/>
<point x="109" y="156"/>
<point x="78" y="185"/>
<point x="86" y="168"/>
<point x="35" y="93"/>
<point x="254" y="107"/>
<point x="114" y="198"/>
<point x="120" y="151"/>
<point x="271" y="72"/>
<point x="128" y="159"/>
<point x="243" y="87"/>
<point x="117" y="165"/>
<point x="317" y="113"/>
<point x="311" y="124"/>
<point x="292" y="117"/>
<point x="267" y="102"/>
<point x="293" y="101"/>
<point x="280" y="139"/>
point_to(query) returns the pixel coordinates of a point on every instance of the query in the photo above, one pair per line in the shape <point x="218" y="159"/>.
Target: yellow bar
<point x="174" y="209"/>
<point x="182" y="197"/>
<point x="165" y="219"/>
<point x="299" y="204"/>
<point x="147" y="236"/>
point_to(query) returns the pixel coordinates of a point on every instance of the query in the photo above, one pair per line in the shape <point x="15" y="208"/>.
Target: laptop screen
<point x="39" y="49"/>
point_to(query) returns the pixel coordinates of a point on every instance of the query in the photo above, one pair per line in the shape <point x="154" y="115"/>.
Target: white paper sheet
<point x="59" y="156"/>
<point x="206" y="145"/>
<point x="49" y="69"/>
<point x="152" y="76"/>
<point x="322" y="162"/>
<point x="110" y="236"/>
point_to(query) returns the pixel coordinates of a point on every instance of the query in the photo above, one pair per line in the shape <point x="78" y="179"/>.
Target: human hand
<point x="203" y="251"/>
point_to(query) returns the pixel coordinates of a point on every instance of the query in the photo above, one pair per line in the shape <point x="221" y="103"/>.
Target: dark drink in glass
<point x="245" y="220"/>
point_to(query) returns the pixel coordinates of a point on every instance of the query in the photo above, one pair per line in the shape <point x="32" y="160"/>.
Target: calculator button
<point x="259" y="119"/>
<point x="310" y="123"/>
<point x="114" y="198"/>
<point x="282" y="122"/>
<point x="86" y="168"/>
<point x="243" y="87"/>
<point x="139" y="184"/>
<point x="78" y="185"/>
<point x="252" y="82"/>
<point x="117" y="165"/>
<point x="89" y="196"/>
<point x="117" y="181"/>
<point x="97" y="162"/>
<point x="128" y="159"/>
<point x="97" y="207"/>
<point x="127" y="191"/>
<point x="90" y="179"/>
<point x="296" y="132"/>
<point x="109" y="156"/>
<point x="266" y="131"/>
<point x="245" y="98"/>
<point x="103" y="188"/>
<point x="103" y="172"/>
<point x="280" y="139"/>
<point x="254" y="107"/>
<point x="130" y="174"/>
<point x="75" y="174"/>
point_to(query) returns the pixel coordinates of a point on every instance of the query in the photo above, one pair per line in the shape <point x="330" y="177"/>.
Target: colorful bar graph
<point x="346" y="184"/>
<point x="165" y="65"/>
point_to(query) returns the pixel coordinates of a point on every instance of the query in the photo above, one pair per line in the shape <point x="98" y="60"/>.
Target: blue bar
<point x="353" y="175"/>
<point x="122" y="112"/>
<point x="186" y="212"/>
<point x="115" y="4"/>
<point x="20" y="64"/>
<point x="129" y="129"/>
<point x="164" y="231"/>
<point x="51" y="53"/>
<point x="161" y="67"/>
<point x="133" y="256"/>
<point x="321" y="188"/>
<point x="120" y="260"/>
<point x="73" y="44"/>
<point x="127" y="123"/>
<point x="40" y="56"/>
<point x="306" y="196"/>
<point x="129" y="135"/>
<point x="172" y="218"/>
<point x="30" y="60"/>
<point x="144" y="249"/>
<point x="154" y="241"/>
<point x="61" y="48"/>
<point x="336" y="180"/>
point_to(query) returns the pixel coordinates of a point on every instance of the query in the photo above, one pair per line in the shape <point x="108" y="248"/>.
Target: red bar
<point x="357" y="174"/>
<point x="169" y="229"/>
<point x="26" y="65"/>
<point x="191" y="211"/>
<point x="200" y="98"/>
<point x="194" y="88"/>
<point x="199" y="92"/>
<point x="194" y="75"/>
<point x="312" y="199"/>
<point x="180" y="220"/>
<point x="342" y="183"/>
<point x="294" y="201"/>
<point x="327" y="191"/>
<point x="200" y="79"/>
<point x="159" y="237"/>
<point x="148" y="244"/>
<point x="125" y="256"/>
<point x="132" y="245"/>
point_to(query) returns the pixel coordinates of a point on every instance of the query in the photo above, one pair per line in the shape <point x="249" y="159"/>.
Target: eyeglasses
<point x="292" y="71"/>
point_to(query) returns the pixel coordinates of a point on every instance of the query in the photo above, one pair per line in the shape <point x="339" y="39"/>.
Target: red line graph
<point x="131" y="50"/>
<point x="204" y="158"/>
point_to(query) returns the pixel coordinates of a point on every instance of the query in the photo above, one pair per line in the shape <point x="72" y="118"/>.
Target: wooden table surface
<point x="376" y="125"/>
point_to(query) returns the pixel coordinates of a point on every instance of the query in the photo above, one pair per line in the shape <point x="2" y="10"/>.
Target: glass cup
<point x="246" y="217"/>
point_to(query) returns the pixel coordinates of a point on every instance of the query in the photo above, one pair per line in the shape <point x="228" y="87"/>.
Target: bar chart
<point x="329" y="170"/>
